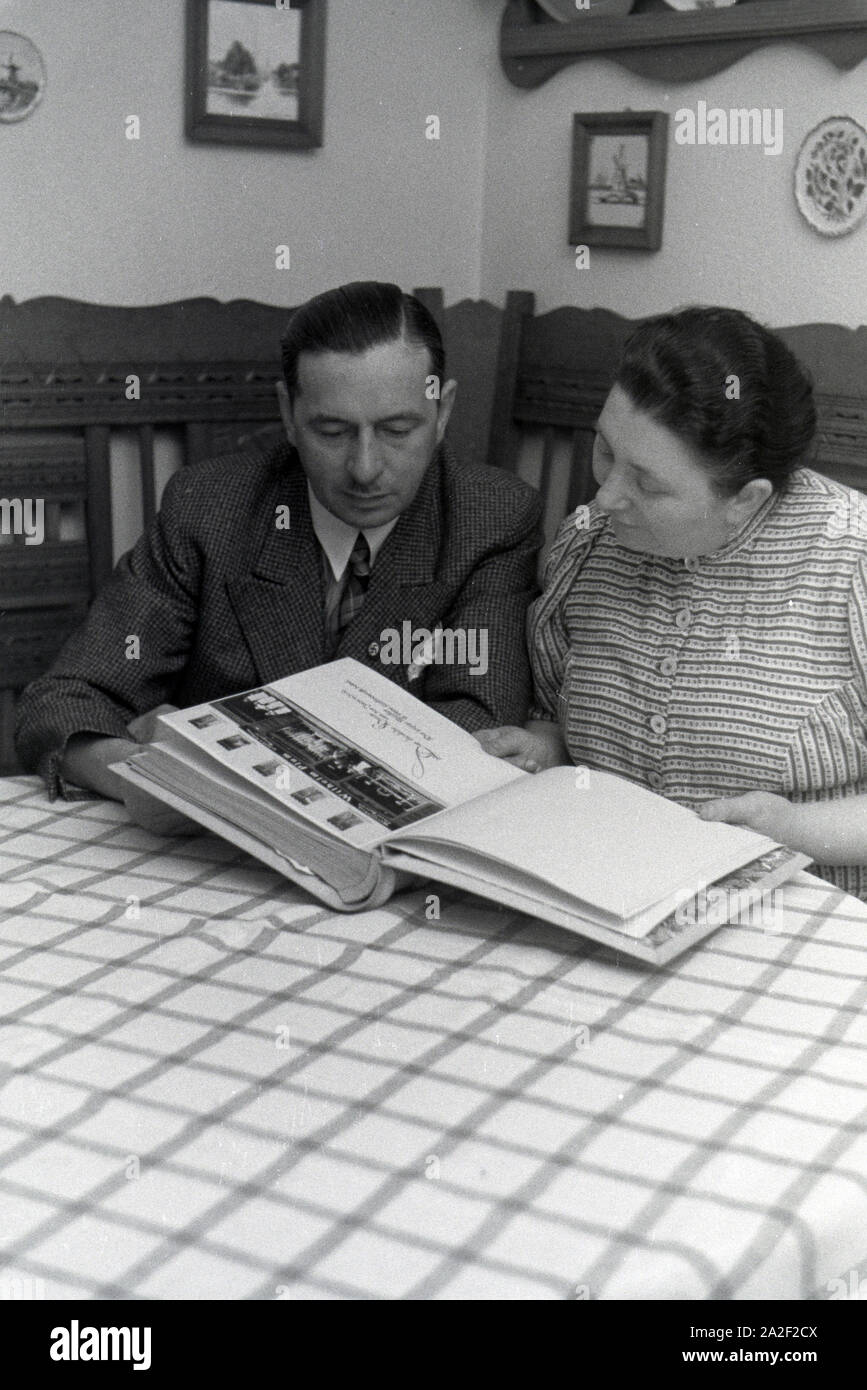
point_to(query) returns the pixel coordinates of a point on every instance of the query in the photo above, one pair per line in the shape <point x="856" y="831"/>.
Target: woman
<point x="703" y="629"/>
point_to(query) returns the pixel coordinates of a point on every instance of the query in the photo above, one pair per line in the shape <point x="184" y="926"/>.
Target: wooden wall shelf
<point x="677" y="45"/>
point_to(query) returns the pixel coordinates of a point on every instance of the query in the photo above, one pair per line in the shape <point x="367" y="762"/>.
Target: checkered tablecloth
<point x="214" y="1088"/>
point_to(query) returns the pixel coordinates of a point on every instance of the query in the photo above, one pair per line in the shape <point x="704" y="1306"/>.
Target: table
<point x="214" y="1088"/>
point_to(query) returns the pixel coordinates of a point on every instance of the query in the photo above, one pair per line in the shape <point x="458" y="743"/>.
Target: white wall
<point x="92" y="215"/>
<point x="732" y="233"/>
<point x="88" y="214"/>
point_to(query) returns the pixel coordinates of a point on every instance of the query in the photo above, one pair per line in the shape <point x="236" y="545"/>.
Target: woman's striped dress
<point x="744" y="669"/>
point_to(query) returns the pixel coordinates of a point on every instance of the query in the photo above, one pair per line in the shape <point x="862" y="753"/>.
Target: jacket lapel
<point x="280" y="604"/>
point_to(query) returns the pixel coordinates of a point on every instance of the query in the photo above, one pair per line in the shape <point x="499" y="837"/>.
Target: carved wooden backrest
<point x="530" y="389"/>
<point x="70" y="374"/>
<point x="74" y="374"/>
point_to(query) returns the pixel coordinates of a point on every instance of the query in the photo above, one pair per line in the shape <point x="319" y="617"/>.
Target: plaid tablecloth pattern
<point x="211" y="1087"/>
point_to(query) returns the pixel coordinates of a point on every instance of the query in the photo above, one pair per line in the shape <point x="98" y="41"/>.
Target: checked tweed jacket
<point x="222" y="599"/>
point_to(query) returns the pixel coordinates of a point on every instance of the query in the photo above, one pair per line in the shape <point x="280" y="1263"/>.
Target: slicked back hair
<point x="355" y="318"/>
<point x="726" y="385"/>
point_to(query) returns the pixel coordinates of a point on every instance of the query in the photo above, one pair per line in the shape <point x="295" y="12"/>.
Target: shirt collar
<point x="337" y="538"/>
<point x="750" y="529"/>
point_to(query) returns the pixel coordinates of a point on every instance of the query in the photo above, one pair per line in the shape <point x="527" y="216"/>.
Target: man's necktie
<point x="355" y="585"/>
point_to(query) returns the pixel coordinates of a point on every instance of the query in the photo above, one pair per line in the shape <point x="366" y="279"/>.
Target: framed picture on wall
<point x="618" y="179"/>
<point x="255" y="72"/>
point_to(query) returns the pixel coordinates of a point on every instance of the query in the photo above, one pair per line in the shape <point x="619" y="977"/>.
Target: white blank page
<point x="610" y="843"/>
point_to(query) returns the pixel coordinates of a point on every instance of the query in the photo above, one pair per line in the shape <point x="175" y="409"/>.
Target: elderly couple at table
<point x="702" y="628"/>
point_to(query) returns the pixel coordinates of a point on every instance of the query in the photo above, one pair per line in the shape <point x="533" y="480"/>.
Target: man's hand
<point x="522" y="748"/>
<point x="148" y="812"/>
<point x="89" y="761"/>
<point x="144" y="726"/>
<point x="154" y="815"/>
<point x="763" y="812"/>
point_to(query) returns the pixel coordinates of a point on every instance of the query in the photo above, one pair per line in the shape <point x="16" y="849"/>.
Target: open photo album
<point x="345" y="783"/>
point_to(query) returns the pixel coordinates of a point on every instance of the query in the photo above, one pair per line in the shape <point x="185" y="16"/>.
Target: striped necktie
<point x="355" y="583"/>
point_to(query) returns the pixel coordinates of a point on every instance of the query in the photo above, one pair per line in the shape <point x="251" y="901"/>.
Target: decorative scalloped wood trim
<point x="679" y="46"/>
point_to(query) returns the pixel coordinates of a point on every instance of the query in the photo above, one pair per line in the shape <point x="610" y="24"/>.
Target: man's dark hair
<point x="355" y="318"/>
<point x="676" y="367"/>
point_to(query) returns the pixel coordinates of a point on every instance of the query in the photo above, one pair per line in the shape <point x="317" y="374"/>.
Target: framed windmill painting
<point x="618" y="179"/>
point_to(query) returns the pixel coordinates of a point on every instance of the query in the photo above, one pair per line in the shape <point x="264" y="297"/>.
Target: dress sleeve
<point x="547" y="637"/>
<point x="858" y="629"/>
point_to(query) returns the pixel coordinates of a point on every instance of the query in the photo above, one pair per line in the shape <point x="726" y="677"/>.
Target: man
<point x="259" y="566"/>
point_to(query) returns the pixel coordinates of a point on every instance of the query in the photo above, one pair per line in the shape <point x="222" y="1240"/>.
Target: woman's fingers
<point x="526" y="764"/>
<point x="513" y="745"/>
<point x="730" y="809"/>
<point x="505" y="742"/>
<point x="764" y="812"/>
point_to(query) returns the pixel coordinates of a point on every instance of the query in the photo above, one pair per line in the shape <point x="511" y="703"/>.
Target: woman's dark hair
<point x="726" y="385"/>
<point x="355" y="318"/>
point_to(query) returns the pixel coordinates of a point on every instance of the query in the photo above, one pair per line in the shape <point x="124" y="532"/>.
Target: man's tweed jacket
<point x="221" y="598"/>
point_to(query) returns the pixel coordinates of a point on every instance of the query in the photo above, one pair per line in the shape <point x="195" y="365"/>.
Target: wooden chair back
<point x="75" y="376"/>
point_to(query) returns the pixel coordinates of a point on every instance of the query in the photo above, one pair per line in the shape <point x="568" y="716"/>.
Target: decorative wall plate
<point x="699" y="4"/>
<point x="831" y="176"/>
<point x="22" y="76"/>
<point x="567" y="12"/>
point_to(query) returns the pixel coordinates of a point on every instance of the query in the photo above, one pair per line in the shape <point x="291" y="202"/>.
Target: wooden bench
<point x="77" y="377"/>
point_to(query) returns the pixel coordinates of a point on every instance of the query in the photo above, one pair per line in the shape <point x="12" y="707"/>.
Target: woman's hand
<point x="527" y="749"/>
<point x="763" y="812"/>
<point x="830" y="832"/>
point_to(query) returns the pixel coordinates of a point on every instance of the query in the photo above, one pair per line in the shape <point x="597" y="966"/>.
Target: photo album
<point x="350" y="786"/>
